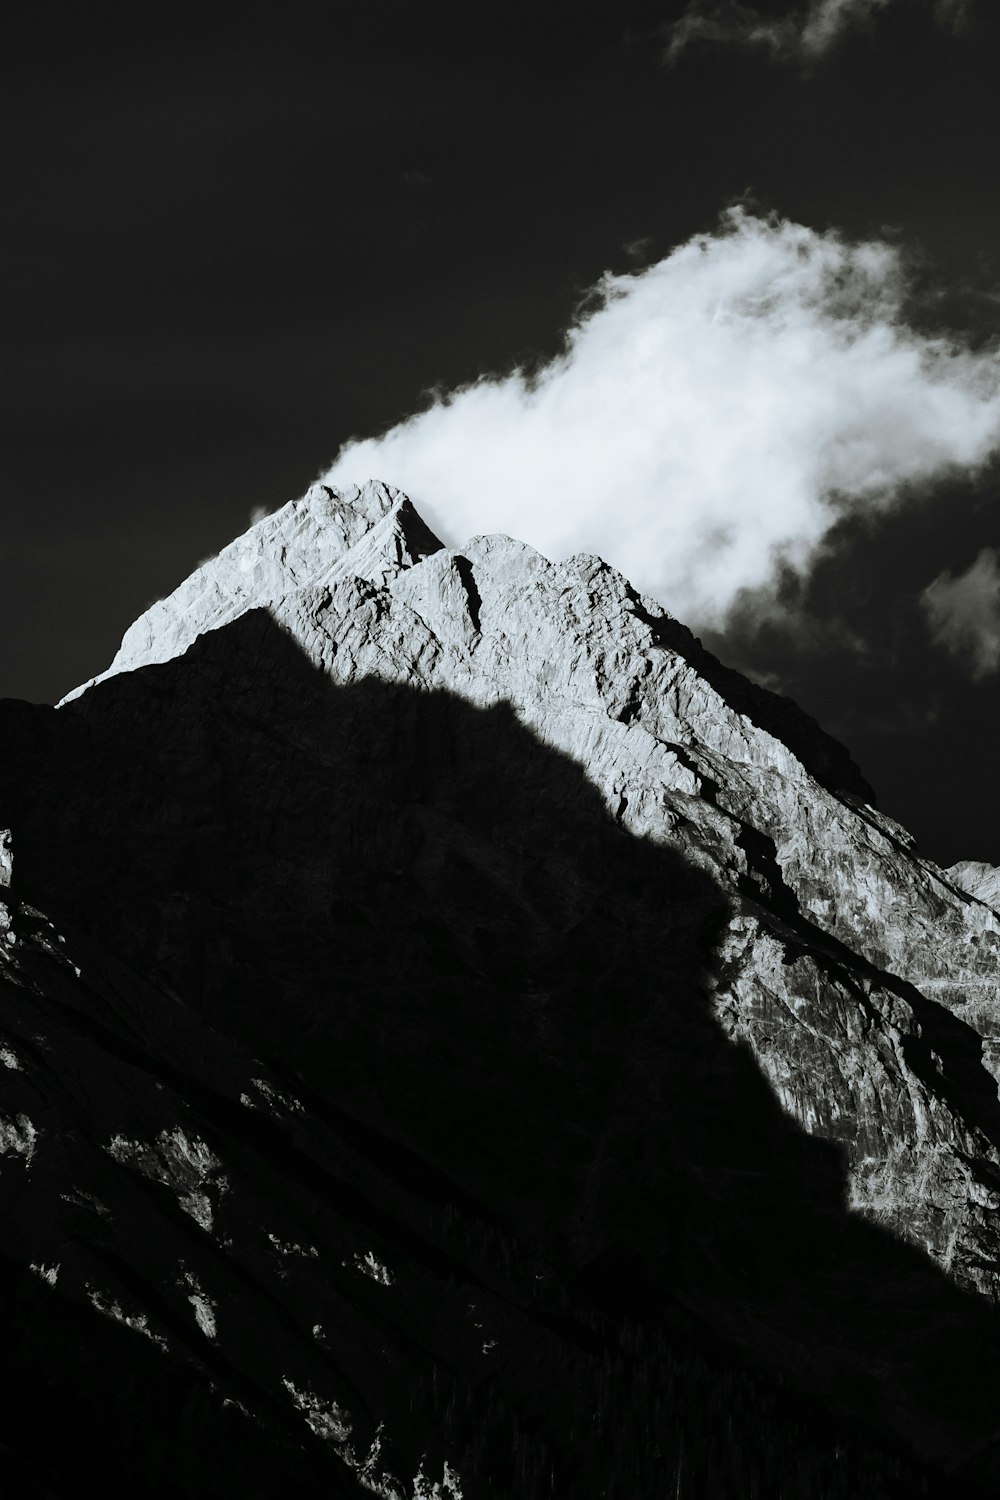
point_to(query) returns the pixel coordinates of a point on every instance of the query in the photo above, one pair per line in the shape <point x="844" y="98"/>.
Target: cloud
<point x="964" y="613"/>
<point x="804" y="34"/>
<point x="709" y="420"/>
<point x="953" y="12"/>
<point x="416" y="180"/>
<point x="639" y="251"/>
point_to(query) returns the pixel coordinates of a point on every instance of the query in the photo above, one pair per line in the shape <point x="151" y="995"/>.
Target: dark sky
<point x="239" y="235"/>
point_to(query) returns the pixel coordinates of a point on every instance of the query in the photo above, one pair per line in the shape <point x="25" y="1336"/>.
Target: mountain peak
<point x="370" y="531"/>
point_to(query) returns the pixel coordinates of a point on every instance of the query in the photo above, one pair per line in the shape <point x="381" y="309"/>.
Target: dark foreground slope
<point x="390" y="1102"/>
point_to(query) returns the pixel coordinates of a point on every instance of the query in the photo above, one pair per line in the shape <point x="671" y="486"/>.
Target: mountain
<point x="459" y="1039"/>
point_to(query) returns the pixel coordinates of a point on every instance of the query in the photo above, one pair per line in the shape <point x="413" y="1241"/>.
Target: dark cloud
<point x="964" y="613"/>
<point x="640" y="250"/>
<point x="853" y="645"/>
<point x="803" y="34"/>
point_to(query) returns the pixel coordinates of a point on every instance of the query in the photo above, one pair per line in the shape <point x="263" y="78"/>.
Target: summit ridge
<point x="369" y="531"/>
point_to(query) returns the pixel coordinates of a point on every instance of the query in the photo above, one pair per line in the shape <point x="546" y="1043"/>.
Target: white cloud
<point x="804" y="34"/>
<point x="711" y="417"/>
<point x="964" y="613"/>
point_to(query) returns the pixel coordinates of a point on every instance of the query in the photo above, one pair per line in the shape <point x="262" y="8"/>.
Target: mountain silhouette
<point x="392" y="1104"/>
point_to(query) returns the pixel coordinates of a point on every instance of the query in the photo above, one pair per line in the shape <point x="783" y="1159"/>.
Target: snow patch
<point x="10" y="1059"/>
<point x="47" y="1273"/>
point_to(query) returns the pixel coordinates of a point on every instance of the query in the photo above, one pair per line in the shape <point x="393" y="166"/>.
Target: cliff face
<point x="978" y="879"/>
<point x="461" y="1039"/>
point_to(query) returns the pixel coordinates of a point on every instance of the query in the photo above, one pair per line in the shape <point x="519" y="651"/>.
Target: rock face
<point x="460" y="1039"/>
<point x="977" y="879"/>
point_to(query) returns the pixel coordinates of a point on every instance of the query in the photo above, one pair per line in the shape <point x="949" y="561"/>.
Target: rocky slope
<point x="460" y="1039"/>
<point x="977" y="879"/>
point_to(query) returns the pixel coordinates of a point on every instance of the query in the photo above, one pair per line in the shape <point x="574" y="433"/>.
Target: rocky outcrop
<point x="442" y="1001"/>
<point x="976" y="879"/>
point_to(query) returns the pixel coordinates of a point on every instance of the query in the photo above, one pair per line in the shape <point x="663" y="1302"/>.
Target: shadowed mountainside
<point x="369" y="1114"/>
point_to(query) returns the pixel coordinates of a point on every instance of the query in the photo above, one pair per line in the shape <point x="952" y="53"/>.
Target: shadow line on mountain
<point x="431" y="923"/>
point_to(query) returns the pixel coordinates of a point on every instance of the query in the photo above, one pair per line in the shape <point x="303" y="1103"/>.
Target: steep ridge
<point x="442" y="1002"/>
